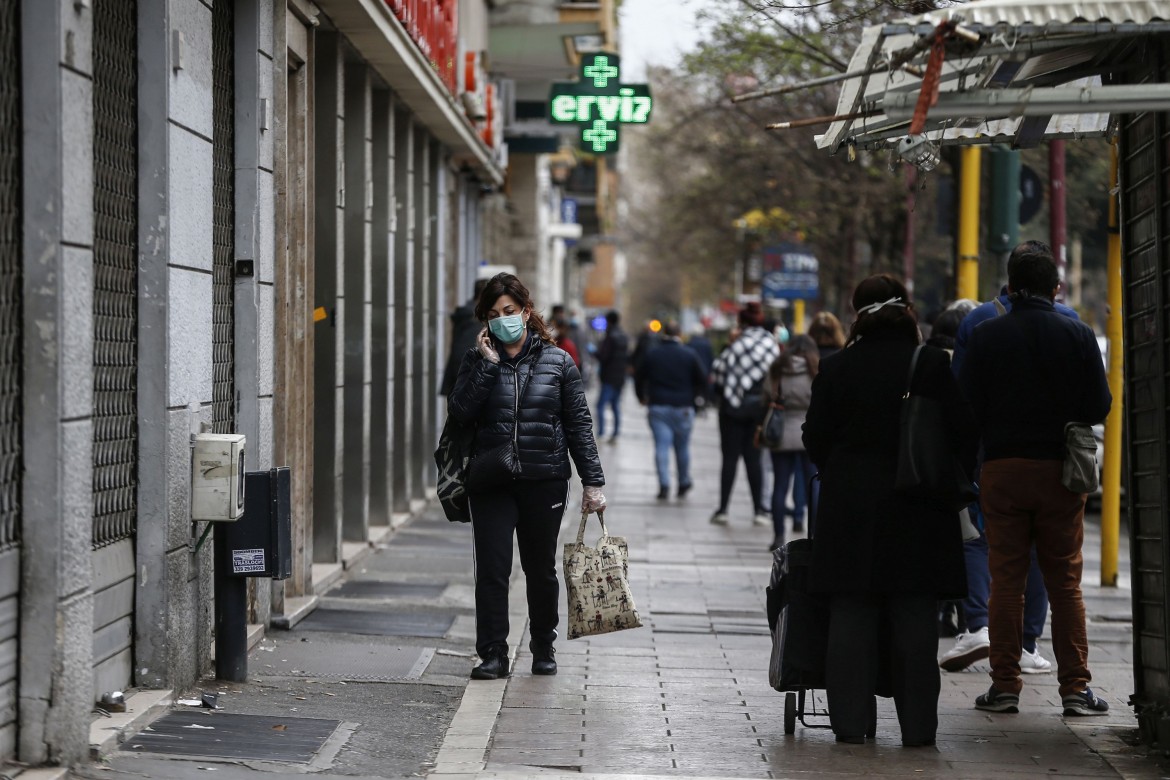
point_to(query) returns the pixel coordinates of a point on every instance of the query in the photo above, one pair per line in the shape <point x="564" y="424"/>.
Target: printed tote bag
<point x="597" y="584"/>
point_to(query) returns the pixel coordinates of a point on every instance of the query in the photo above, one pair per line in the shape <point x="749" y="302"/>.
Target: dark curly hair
<point x="901" y="320"/>
<point x="508" y="284"/>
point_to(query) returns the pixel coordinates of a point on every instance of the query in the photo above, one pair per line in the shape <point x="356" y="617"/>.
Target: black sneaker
<point x="543" y="658"/>
<point x="1084" y="703"/>
<point x="998" y="701"/>
<point x="684" y="489"/>
<point x="663" y="493"/>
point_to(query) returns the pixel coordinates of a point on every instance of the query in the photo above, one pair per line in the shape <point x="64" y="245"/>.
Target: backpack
<point x="451" y="458"/>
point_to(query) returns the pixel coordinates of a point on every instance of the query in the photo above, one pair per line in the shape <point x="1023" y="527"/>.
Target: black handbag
<point x="490" y="468"/>
<point x="451" y="459"/>
<point x="927" y="468"/>
<point x="772" y="428"/>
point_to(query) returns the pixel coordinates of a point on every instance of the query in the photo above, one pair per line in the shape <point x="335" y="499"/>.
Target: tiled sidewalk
<point x="688" y="694"/>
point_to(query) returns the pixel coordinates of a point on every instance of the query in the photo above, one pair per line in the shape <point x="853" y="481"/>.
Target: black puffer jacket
<point x="549" y="415"/>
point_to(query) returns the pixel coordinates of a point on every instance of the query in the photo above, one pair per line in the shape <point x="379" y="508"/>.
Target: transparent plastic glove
<point x="592" y="499"/>
<point x="483" y="343"/>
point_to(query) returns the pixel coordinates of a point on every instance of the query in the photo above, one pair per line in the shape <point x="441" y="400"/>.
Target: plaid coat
<point x="744" y="364"/>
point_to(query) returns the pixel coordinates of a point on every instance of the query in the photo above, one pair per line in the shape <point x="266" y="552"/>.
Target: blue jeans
<point x="793" y="468"/>
<point x="672" y="427"/>
<point x="611" y="395"/>
<point x="979" y="591"/>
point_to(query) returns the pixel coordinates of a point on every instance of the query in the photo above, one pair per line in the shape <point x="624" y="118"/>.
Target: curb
<point x="106" y="734"/>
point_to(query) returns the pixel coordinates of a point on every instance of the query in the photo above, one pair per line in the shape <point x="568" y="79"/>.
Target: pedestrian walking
<point x="825" y="329"/>
<point x="613" y="360"/>
<point x="561" y="337"/>
<point x="789" y="383"/>
<point x="668" y="382"/>
<point x="739" y="374"/>
<point x="464" y="330"/>
<point x="1027" y="375"/>
<point x="526" y="400"/>
<point x="973" y="643"/>
<point x="881" y="558"/>
<point x="700" y="344"/>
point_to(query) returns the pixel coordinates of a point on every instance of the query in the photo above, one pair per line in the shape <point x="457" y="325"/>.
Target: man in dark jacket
<point x="464" y="328"/>
<point x="701" y="346"/>
<point x="613" y="359"/>
<point x="668" y="381"/>
<point x="1027" y="374"/>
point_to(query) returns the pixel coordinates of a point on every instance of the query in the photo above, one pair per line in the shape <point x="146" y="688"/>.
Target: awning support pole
<point x="1114" y="329"/>
<point x="968" y="271"/>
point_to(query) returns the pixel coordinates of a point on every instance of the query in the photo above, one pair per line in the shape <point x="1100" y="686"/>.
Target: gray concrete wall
<point x="188" y="351"/>
<point x="255" y="240"/>
<point x="381" y="294"/>
<point x="523" y="244"/>
<point x="56" y="610"/>
<point x="328" y="370"/>
<point x="356" y="291"/>
<point x="401" y="310"/>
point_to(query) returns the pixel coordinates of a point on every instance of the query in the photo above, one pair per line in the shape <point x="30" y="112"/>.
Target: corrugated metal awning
<point x="1019" y="72"/>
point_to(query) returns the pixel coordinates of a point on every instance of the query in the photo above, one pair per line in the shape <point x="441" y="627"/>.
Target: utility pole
<point x="1058" y="214"/>
<point x="969" y="180"/>
<point x="1111" y="468"/>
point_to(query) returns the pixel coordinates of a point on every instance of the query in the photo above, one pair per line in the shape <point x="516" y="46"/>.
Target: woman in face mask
<point x="525" y="399"/>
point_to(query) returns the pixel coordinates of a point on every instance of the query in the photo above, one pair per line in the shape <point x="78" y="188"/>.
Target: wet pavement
<point x="685" y="695"/>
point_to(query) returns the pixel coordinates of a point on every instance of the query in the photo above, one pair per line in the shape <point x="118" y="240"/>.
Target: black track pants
<point x="531" y="510"/>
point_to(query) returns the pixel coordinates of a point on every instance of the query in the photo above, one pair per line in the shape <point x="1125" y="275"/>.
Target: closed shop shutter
<point x="1145" y="177"/>
<point x="223" y="204"/>
<point x="10" y="368"/>
<point x="115" y="354"/>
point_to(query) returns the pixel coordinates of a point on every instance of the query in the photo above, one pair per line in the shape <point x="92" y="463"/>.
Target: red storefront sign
<point x="434" y="27"/>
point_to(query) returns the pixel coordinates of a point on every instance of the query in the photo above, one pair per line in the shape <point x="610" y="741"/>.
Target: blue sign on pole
<point x="791" y="272"/>
<point x="569" y="216"/>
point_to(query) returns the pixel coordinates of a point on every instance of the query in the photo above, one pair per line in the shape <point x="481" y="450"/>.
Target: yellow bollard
<point x="1111" y="468"/>
<point x="969" y="179"/>
<point x="798" y="316"/>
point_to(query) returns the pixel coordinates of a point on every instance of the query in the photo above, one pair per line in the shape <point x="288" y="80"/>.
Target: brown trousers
<point x="1024" y="502"/>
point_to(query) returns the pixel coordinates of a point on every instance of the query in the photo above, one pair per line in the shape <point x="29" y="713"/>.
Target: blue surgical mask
<point x="509" y="329"/>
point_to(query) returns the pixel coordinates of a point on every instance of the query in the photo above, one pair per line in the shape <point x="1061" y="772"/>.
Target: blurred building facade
<point x="563" y="200"/>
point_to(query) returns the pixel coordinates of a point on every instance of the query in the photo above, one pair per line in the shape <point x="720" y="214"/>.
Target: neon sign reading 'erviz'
<point x="599" y="104"/>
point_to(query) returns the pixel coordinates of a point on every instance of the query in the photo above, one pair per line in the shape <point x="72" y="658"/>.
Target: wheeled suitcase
<point x="799" y="622"/>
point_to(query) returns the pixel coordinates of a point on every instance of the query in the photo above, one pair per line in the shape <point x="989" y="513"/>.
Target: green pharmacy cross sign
<point x="599" y="104"/>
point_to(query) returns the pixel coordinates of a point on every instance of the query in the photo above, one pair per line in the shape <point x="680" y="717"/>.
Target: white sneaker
<point x="969" y="648"/>
<point x="1034" y="663"/>
<point x="762" y="519"/>
<point x="719" y="518"/>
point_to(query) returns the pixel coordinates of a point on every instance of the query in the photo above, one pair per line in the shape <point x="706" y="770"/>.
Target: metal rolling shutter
<point x="1145" y="178"/>
<point x="224" y="213"/>
<point x="115" y="452"/>
<point x="10" y="367"/>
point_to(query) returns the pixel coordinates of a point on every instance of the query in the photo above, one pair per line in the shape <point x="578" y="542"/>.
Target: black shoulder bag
<point x="927" y="468"/>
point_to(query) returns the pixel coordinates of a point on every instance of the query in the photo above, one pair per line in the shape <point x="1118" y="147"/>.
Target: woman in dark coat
<point x="882" y="559"/>
<point x="523" y="394"/>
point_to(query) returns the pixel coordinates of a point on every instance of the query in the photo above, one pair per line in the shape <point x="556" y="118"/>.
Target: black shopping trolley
<point x="799" y="622"/>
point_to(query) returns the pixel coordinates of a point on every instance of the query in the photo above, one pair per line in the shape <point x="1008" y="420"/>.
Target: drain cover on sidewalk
<point x="219" y="735"/>
<point x="376" y="589"/>
<point x="342" y="661"/>
<point x="358" y="621"/>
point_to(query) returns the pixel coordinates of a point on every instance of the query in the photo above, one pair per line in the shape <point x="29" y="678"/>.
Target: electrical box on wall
<point x="217" y="477"/>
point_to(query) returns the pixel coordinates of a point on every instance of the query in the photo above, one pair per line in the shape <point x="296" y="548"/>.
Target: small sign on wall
<point x="247" y="561"/>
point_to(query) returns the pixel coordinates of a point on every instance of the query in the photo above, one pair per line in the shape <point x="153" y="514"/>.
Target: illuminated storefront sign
<point x="599" y="104"/>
